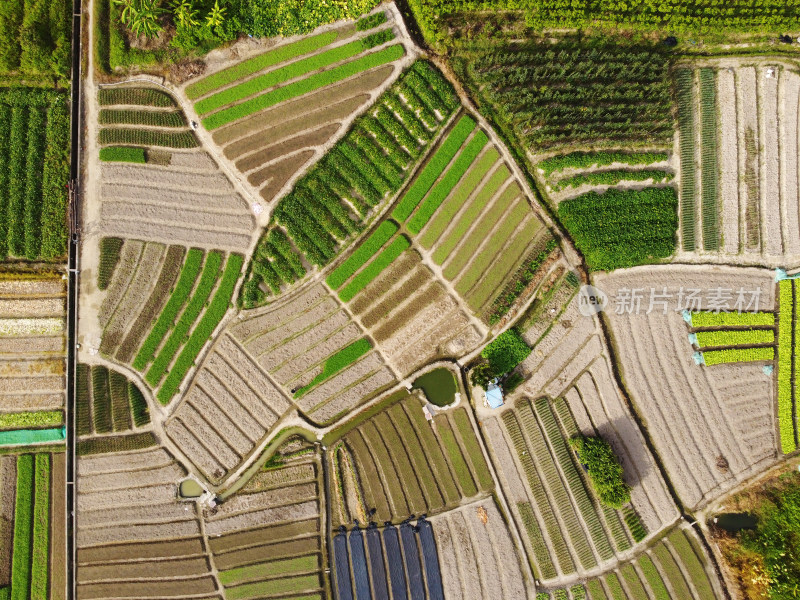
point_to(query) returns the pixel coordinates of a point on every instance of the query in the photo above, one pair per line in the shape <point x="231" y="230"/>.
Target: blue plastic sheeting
<point x="359" y="559"/>
<point x="413" y="568"/>
<point x="397" y="574"/>
<point x="23" y="437"/>
<point x="379" y="584"/>
<point x="344" y="588"/>
<point x="431" y="559"/>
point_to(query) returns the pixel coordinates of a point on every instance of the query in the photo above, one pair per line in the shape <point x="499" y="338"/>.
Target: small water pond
<point x="439" y="386"/>
<point x="734" y="522"/>
<point x="190" y="489"/>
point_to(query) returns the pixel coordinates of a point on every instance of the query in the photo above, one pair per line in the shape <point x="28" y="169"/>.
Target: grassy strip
<point x="119" y="443"/>
<point x="41" y="529"/>
<point x="693" y="559"/>
<point x="474" y="452"/>
<point x="729" y="337"/>
<point x="303" y="86"/>
<point x="373" y="269"/>
<point x="634" y="583"/>
<point x="613" y="177"/>
<point x="26" y="420"/>
<point x="336" y="362"/>
<point x="110" y="249"/>
<point x="272" y="587"/>
<point x="708" y="159"/>
<point x="178" y="297"/>
<point x="258" y="63"/>
<point x="612" y="581"/>
<point x="148" y="137"/>
<point x="139" y="410"/>
<point x="275" y="568"/>
<point x="152" y="118"/>
<point x="456" y="200"/>
<point x="585" y="160"/>
<point x="653" y="578"/>
<point x="437" y="163"/>
<point x="202" y="332"/>
<point x="733" y="319"/>
<point x="123" y="154"/>
<point x="683" y="85"/>
<point x="455" y="456"/>
<point x="470" y="214"/>
<point x="23" y="523"/>
<point x="596" y="590"/>
<point x="540" y="551"/>
<point x="672" y="571"/>
<point x="135" y="97"/>
<point x="362" y="254"/>
<point x="442" y="189"/>
<point x="785" y="356"/>
<point x="718" y="357"/>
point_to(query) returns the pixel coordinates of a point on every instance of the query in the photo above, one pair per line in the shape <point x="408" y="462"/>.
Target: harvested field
<point x="303" y="344"/>
<point x="405" y="465"/>
<point x="32" y="343"/>
<point x="757" y="215"/>
<point x="154" y="203"/>
<point x="236" y="398"/>
<point x="712" y="426"/>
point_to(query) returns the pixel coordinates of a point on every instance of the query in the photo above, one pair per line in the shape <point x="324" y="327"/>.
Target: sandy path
<point x="729" y="161"/>
<point x="788" y="95"/>
<point x="770" y="158"/>
<point x="8" y="487"/>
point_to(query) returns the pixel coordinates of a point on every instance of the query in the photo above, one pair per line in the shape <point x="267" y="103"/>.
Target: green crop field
<point x="108" y="401"/>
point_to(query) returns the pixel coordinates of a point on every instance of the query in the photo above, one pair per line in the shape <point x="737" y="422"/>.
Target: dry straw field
<point x="32" y="350"/>
<point x="738" y="124"/>
<point x="712" y="426"/>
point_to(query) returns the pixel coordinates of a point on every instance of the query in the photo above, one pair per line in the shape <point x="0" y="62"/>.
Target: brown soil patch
<point x="128" y="461"/>
<point x="274" y="318"/>
<point x="58" y="528"/>
<point x="254" y="537"/>
<point x="353" y="396"/>
<point x="303" y="344"/>
<point x="425" y="297"/>
<point x="316" y="137"/>
<point x="303" y="321"/>
<point x="122" y="552"/>
<point x="237" y="558"/>
<point x="418" y="280"/>
<point x="208" y="238"/>
<point x="305" y="510"/>
<point x="8" y="488"/>
<point x="279" y="173"/>
<point x="147" y="589"/>
<point x="383" y="282"/>
<point x="143" y="570"/>
<point x="31" y="345"/>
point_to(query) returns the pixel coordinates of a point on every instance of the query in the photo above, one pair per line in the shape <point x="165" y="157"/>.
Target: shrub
<point x="482" y="374"/>
<point x="506" y="351"/>
<point x="337" y="362"/>
<point x="371" y="21"/>
<point x="110" y="249"/>
<point x="605" y="470"/>
<point x="122" y="154"/>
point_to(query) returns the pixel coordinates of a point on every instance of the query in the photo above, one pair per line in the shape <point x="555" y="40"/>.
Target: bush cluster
<point x="605" y="470"/>
<point x="506" y="351"/>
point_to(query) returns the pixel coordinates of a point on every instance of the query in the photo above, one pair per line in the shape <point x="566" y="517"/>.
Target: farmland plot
<point x="107" y="401"/>
<point x="318" y="356"/>
<point x="478" y="556"/>
<point x="229" y="408"/>
<point x="399" y="464"/>
<point x="268" y="542"/>
<point x="135" y="540"/>
<point x="32" y="526"/>
<point x="712" y="426"/>
<point x="32" y="351"/>
<point x="408" y="550"/>
<point x="273" y="114"/>
<point x="744" y="195"/>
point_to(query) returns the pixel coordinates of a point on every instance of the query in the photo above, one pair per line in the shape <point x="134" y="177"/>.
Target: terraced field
<point x="266" y="539"/>
<point x="33" y="550"/>
<point x="315" y="353"/>
<point x="32" y="351"/>
<point x="712" y="426"/>
<point x="478" y="556"/>
<point x="399" y="464"/>
<point x="273" y="113"/>
<point x="409" y="551"/>
<point x="177" y="327"/>
<point x="229" y="408"/>
<point x="743" y="191"/>
<point x="155" y="185"/>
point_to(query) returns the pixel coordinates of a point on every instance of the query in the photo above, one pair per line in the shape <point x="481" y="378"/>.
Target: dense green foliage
<point x="134" y="96"/>
<point x="733" y="319"/>
<point x="110" y="248"/>
<point x="152" y="118"/>
<point x="786" y="377"/>
<point x="718" y="357"/>
<point x="374" y="268"/>
<point x="123" y="154"/>
<point x="367" y="165"/>
<point x="575" y="91"/>
<point x="620" y="229"/>
<point x="34" y="170"/>
<point x="35" y="39"/>
<point x="148" y="137"/>
<point x="23" y="524"/>
<point x="727" y="337"/>
<point x="289" y="17"/>
<point x="366" y="250"/>
<point x="506" y="351"/>
<point x="612" y="177"/>
<point x="116" y="443"/>
<point x="336" y="362"/>
<point x="585" y="160"/>
<point x="371" y="21"/>
<point x="683" y="92"/>
<point x="605" y="470"/>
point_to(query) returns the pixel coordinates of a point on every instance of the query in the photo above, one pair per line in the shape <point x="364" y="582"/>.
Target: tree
<point x="184" y="13"/>
<point x="141" y="16"/>
<point x="482" y="374"/>
<point x="217" y="15"/>
<point x="605" y="470"/>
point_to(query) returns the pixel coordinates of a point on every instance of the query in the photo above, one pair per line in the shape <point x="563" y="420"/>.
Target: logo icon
<point x="591" y="300"/>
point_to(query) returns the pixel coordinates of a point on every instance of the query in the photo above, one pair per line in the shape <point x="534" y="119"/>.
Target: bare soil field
<point x="230" y="406"/>
<point x="32" y="343"/>
<point x="477" y="554"/>
<point x="294" y="341"/>
<point x="8" y="486"/>
<point x="712" y="426"/>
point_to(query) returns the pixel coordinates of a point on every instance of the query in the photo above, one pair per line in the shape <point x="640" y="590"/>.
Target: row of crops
<point x="334" y="199"/>
<point x="33" y="549"/>
<point x="34" y="168"/>
<point x="386" y="559"/>
<point x="788" y="350"/>
<point x="733" y="337"/>
<point x="539" y="433"/>
<point x="398" y="464"/>
<point x="35" y="40"/>
<point x="107" y="401"/>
